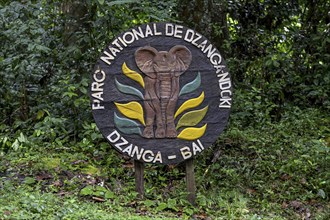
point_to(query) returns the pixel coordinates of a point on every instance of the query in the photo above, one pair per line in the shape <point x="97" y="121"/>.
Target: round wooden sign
<point x="161" y="93"/>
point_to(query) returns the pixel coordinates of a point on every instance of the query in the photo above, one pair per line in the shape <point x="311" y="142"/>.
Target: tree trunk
<point x="76" y="17"/>
<point x="207" y="17"/>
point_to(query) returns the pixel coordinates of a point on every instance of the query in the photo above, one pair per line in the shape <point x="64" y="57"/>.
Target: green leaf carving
<point x="191" y="86"/>
<point x="126" y="125"/>
<point x="128" y="89"/>
<point x="192" y="118"/>
<point x="191" y="103"/>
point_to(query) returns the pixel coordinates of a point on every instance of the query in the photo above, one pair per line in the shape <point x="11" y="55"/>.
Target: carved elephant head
<point x="152" y="62"/>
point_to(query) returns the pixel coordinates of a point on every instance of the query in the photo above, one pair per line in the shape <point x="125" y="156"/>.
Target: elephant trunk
<point x="165" y="95"/>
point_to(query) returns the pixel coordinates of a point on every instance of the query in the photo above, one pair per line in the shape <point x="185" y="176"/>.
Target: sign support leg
<point x="139" y="177"/>
<point x="190" y="180"/>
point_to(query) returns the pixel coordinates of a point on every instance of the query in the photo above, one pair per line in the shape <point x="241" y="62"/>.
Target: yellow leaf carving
<point x="131" y="110"/>
<point x="192" y="118"/>
<point x="191" y="103"/>
<point x="192" y="133"/>
<point x="132" y="74"/>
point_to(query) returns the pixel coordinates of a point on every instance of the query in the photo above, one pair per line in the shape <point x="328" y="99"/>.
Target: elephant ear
<point x="183" y="58"/>
<point x="144" y="57"/>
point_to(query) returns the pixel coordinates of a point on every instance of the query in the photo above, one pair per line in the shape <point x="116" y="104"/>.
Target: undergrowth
<point x="272" y="162"/>
<point x="269" y="170"/>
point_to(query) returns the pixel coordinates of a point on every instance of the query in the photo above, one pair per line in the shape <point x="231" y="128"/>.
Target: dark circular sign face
<point x="161" y="93"/>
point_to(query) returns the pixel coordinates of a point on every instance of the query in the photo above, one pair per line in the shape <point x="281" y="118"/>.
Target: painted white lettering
<point x="226" y="93"/>
<point x="225" y="103"/>
<point x="189" y="36"/>
<point x="107" y="58"/>
<point x="123" y="42"/>
<point x="178" y="31"/>
<point x="223" y="77"/>
<point x="209" y="50"/>
<point x="158" y="158"/>
<point x="219" y="68"/>
<point x="196" y="148"/>
<point x="138" y="34"/>
<point x="171" y="157"/>
<point x="113" y="50"/>
<point x="115" y="42"/>
<point x="202" y="45"/>
<point x="120" y="144"/>
<point x="194" y="42"/>
<point x="97" y="105"/>
<point x="96" y="75"/>
<point x="148" y="31"/>
<point x="128" y="149"/>
<point x="216" y="58"/>
<point x="185" y="152"/>
<point x="125" y="147"/>
<point x="200" y="144"/>
<point x="155" y="31"/>
<point x="128" y="37"/>
<point x="169" y="30"/>
<point x="137" y="153"/>
<point x="225" y="85"/>
<point x="113" y="137"/>
<point x="148" y="156"/>
<point x="96" y="87"/>
<point x="98" y="95"/>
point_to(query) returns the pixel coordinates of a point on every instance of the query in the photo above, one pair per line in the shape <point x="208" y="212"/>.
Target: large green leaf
<point x="192" y="118"/>
<point x="191" y="86"/>
<point x="128" y="89"/>
<point x="126" y="125"/>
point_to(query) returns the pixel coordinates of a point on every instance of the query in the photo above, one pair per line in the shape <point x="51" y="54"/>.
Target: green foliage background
<point x="271" y="163"/>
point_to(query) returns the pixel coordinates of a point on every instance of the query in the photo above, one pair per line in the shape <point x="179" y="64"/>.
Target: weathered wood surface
<point x="139" y="177"/>
<point x="189" y="103"/>
<point x="190" y="181"/>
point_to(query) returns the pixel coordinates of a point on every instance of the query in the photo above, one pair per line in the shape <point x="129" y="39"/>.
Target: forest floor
<point x="279" y="170"/>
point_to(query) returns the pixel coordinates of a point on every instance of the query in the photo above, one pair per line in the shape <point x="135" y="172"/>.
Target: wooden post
<point x="139" y="177"/>
<point x="190" y="180"/>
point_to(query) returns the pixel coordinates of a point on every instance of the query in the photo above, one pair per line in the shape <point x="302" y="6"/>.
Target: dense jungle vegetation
<point x="272" y="161"/>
